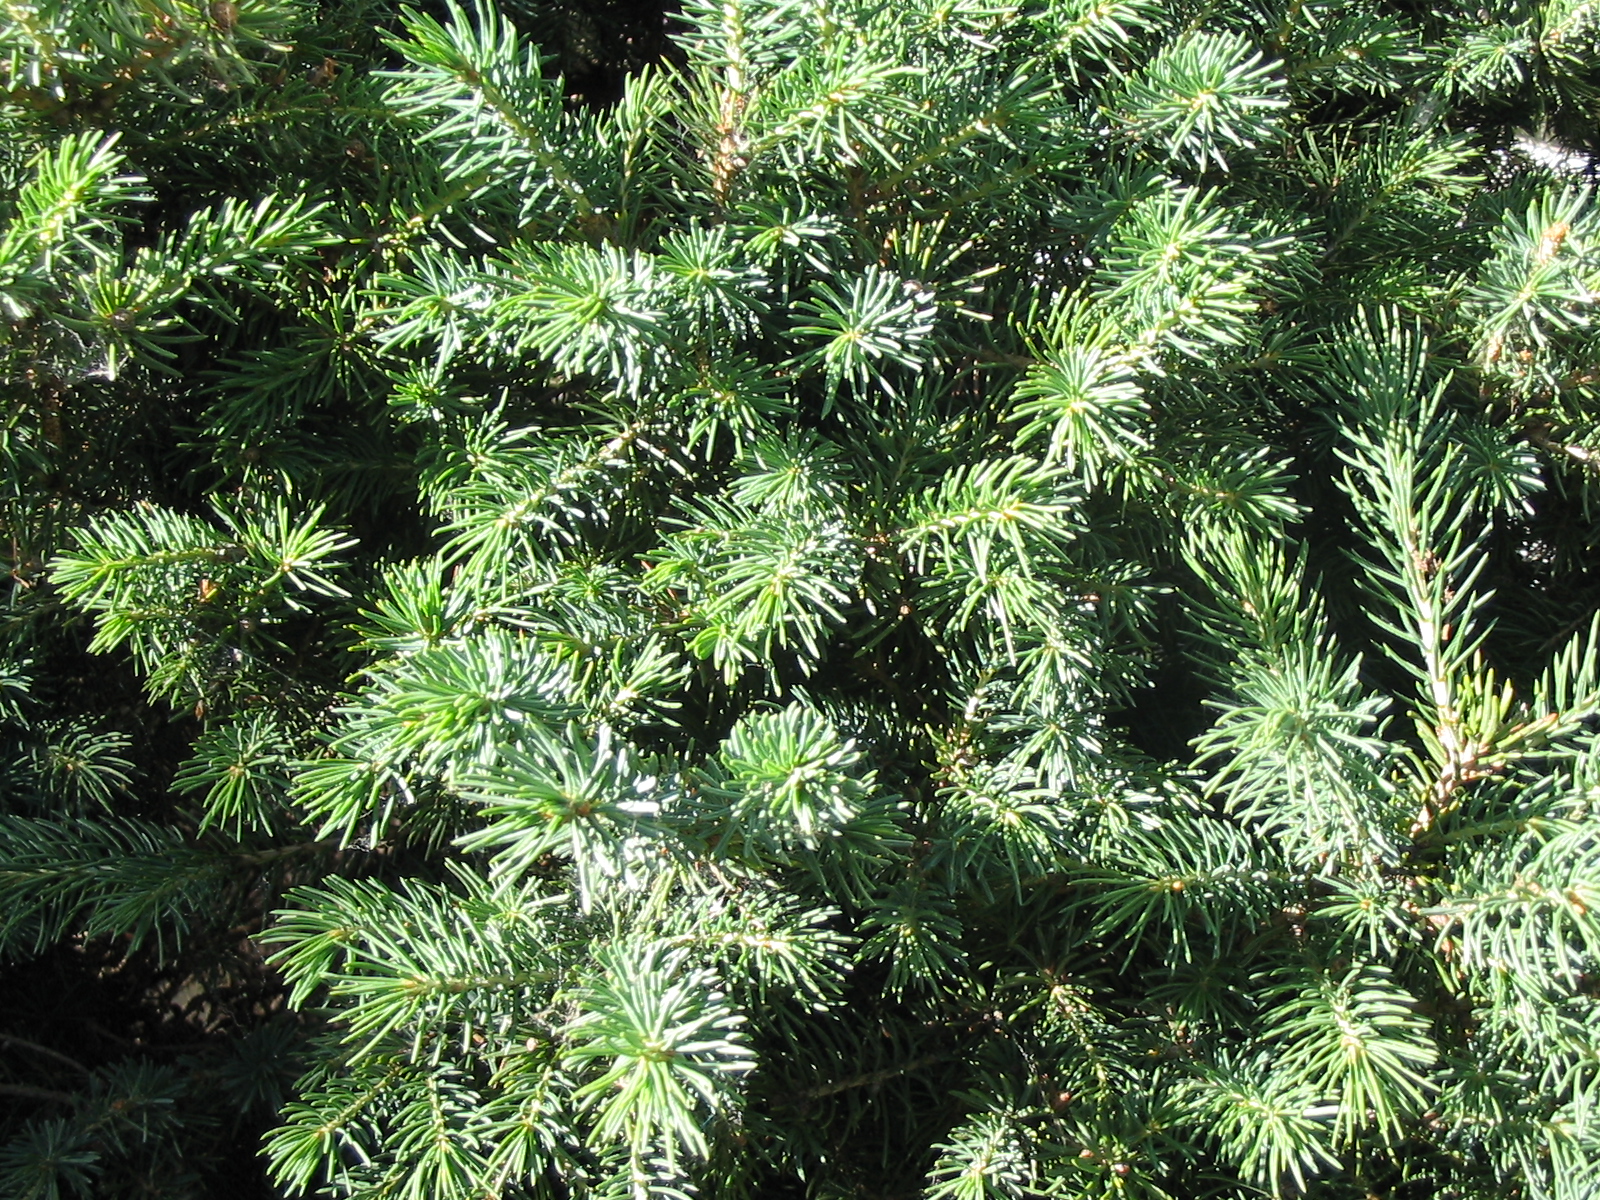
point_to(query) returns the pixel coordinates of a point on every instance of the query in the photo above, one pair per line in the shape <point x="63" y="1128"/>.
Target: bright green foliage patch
<point x="950" y="598"/>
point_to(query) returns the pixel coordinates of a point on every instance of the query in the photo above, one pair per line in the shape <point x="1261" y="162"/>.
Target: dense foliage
<point x="951" y="598"/>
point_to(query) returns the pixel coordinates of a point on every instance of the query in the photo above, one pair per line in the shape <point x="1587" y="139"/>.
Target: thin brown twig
<point x="7" y="1039"/>
<point x="871" y="1077"/>
<point x="33" y="1093"/>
